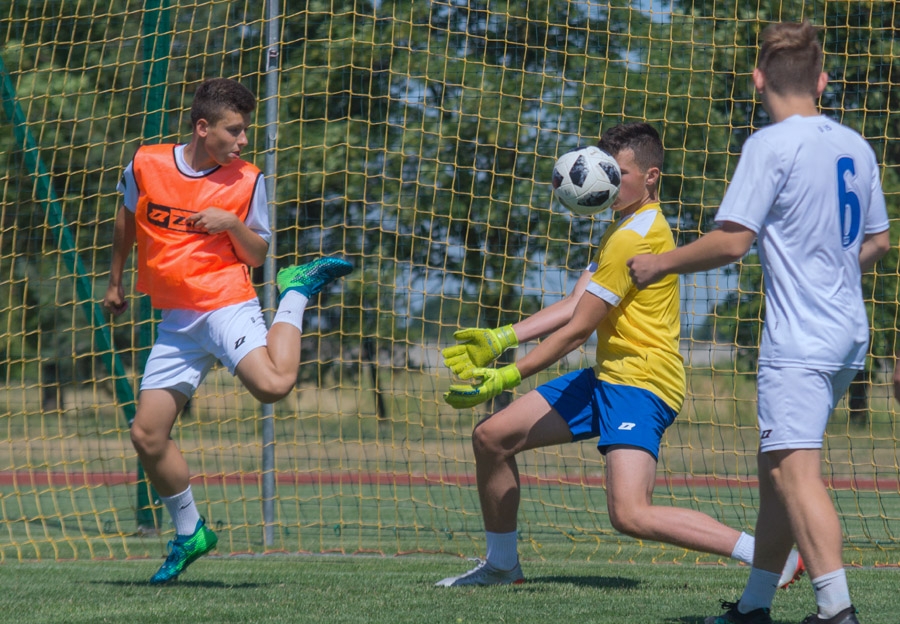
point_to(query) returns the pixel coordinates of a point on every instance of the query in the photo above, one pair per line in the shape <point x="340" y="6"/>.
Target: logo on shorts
<point x="764" y="434"/>
<point x="239" y="341"/>
<point x="626" y="426"/>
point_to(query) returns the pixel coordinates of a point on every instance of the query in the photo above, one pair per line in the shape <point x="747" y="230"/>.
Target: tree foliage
<point x="418" y="137"/>
<point x="862" y="94"/>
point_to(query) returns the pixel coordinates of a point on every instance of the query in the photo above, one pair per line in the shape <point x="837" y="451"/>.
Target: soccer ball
<point x="586" y="180"/>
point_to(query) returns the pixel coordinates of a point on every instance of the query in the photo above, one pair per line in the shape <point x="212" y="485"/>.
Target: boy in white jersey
<point x="807" y="190"/>
<point x="627" y="400"/>
<point x="199" y="216"/>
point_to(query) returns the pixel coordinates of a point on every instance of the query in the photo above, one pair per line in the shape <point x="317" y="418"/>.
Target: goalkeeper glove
<point x="493" y="382"/>
<point x="479" y="348"/>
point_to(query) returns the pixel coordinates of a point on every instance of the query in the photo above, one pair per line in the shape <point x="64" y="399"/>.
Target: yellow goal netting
<point x="415" y="138"/>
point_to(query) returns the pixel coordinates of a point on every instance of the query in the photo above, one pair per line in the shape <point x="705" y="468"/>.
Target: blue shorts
<point x="618" y="414"/>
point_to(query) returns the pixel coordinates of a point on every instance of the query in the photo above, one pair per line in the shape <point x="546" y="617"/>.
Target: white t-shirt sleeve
<point x="877" y="217"/>
<point x="258" y="217"/>
<point x="754" y="187"/>
<point x="128" y="188"/>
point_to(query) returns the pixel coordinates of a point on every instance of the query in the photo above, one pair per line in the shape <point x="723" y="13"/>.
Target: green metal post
<point x="44" y="193"/>
<point x="156" y="41"/>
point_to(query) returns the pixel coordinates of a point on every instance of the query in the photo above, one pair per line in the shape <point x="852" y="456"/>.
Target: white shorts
<point x="795" y="405"/>
<point x="189" y="343"/>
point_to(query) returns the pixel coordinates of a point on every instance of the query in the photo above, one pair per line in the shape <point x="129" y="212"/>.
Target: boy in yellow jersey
<point x="627" y="400"/>
<point x="199" y="216"/>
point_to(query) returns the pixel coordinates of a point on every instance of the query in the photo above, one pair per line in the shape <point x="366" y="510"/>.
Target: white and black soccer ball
<point x="586" y="180"/>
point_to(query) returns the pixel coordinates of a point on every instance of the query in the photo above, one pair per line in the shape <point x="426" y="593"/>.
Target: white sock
<point x="832" y="593"/>
<point x="759" y="591"/>
<point x="743" y="549"/>
<point x="183" y="511"/>
<point x="291" y="309"/>
<point x="502" y="550"/>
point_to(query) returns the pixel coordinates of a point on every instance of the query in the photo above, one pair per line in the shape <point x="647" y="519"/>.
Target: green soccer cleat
<point x="309" y="279"/>
<point x="183" y="551"/>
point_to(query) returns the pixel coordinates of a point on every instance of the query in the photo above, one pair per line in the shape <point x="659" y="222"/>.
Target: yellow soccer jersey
<point x="637" y="342"/>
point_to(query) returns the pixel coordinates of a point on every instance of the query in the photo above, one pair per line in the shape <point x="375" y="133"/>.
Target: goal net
<point x="415" y="139"/>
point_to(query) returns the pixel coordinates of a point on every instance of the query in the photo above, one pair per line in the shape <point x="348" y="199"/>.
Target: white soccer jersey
<point x="810" y="189"/>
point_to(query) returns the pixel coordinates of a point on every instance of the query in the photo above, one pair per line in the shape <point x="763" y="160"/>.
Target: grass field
<point x="398" y="590"/>
<point x="555" y="522"/>
<point x="355" y="542"/>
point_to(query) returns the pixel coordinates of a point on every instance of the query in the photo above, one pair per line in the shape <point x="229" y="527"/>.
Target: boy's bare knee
<point x="486" y="444"/>
<point x="147" y="443"/>
<point x="627" y="522"/>
<point x="266" y="383"/>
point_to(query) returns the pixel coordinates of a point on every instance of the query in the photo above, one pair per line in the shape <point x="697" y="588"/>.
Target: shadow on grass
<point x="699" y="619"/>
<point x="177" y="584"/>
<point x="595" y="582"/>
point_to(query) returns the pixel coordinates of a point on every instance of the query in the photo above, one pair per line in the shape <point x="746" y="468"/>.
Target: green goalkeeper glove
<point x="479" y="348"/>
<point x="493" y="382"/>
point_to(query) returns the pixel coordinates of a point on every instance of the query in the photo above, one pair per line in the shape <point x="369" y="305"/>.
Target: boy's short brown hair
<point x="217" y="95"/>
<point x="639" y="137"/>
<point x="790" y="58"/>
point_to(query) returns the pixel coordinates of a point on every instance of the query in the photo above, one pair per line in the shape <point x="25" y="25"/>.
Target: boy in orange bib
<point x="199" y="216"/>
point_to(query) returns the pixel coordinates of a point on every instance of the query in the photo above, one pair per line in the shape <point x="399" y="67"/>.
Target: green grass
<point x="555" y="522"/>
<point x="579" y="569"/>
<point x="397" y="590"/>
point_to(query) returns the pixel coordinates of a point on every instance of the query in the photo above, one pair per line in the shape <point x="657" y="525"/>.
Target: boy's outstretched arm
<point x="723" y="246"/>
<point x="547" y="320"/>
<point x="589" y="313"/>
<point x="477" y="347"/>
<point x="123" y="242"/>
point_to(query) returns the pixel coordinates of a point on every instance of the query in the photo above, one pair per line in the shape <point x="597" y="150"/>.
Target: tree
<point x="862" y="94"/>
<point x="56" y="69"/>
<point x="418" y="138"/>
